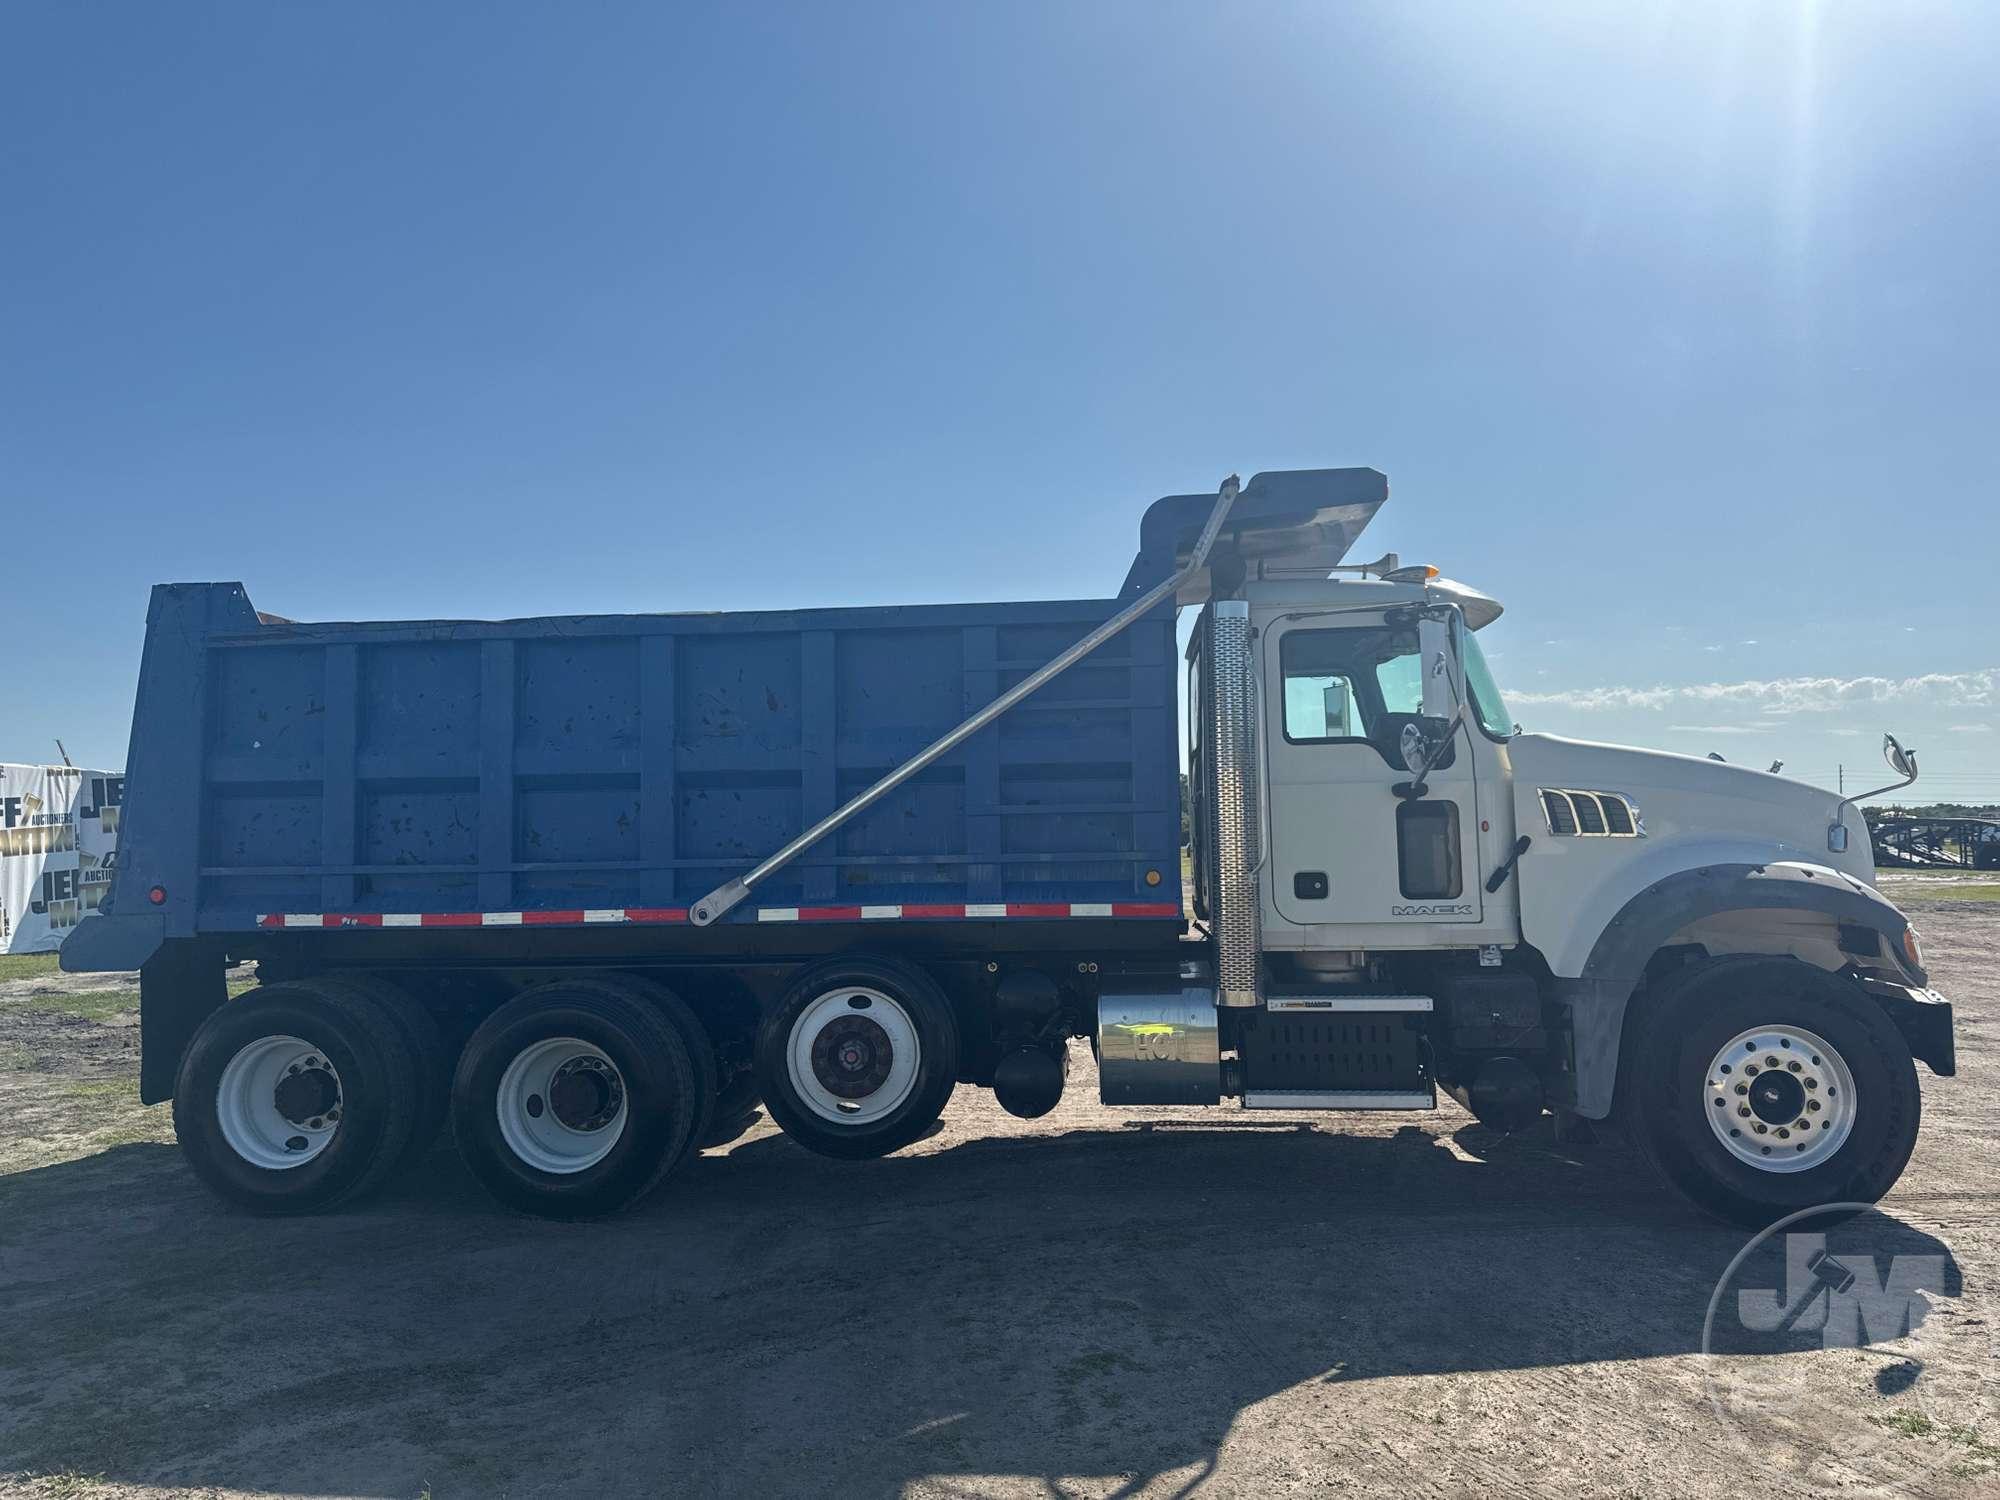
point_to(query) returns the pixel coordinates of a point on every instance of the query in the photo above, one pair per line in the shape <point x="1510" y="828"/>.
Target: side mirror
<point x="1415" y="748"/>
<point x="1902" y="762"/>
<point x="1438" y="658"/>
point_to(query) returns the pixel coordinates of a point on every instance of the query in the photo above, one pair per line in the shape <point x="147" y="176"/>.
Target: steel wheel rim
<point x="1780" y="1099"/>
<point x="279" y="1102"/>
<point x="821" y="1056"/>
<point x="561" y="1105"/>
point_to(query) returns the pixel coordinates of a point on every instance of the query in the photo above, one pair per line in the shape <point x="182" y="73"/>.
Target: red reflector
<point x="157" y="895"/>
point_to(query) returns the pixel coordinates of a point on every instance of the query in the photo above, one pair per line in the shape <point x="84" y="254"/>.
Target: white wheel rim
<point x="854" y="1056"/>
<point x="1780" y="1099"/>
<point x="561" y="1105"/>
<point x="279" y="1102"/>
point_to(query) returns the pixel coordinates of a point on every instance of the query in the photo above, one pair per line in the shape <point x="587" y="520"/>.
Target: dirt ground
<point x="1102" y="1303"/>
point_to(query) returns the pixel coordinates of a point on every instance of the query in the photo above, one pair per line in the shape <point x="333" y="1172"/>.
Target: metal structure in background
<point x="1937" y="843"/>
<point x="718" y="902"/>
<point x="1230" y="801"/>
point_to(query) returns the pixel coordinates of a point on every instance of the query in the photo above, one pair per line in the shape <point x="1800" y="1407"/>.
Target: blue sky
<point x="1673" y="325"/>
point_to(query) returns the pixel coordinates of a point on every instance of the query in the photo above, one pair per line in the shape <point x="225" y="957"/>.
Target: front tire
<point x="1757" y="1087"/>
<point x="859" y="1058"/>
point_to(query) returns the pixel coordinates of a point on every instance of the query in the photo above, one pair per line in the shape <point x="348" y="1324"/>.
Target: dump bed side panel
<point x="596" y="768"/>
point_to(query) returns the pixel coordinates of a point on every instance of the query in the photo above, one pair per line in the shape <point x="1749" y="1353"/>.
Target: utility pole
<point x="1843" y="780"/>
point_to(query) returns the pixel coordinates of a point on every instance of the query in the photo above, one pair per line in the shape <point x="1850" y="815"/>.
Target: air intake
<point x="1575" y="814"/>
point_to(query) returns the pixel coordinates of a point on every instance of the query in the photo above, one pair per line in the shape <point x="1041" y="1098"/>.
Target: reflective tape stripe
<point x="625" y="915"/>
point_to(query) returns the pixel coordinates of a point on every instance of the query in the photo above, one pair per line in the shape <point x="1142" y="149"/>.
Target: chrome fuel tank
<point x="1159" y="1046"/>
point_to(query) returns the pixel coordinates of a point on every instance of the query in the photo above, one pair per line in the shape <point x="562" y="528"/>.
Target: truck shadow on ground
<point x="1100" y="1302"/>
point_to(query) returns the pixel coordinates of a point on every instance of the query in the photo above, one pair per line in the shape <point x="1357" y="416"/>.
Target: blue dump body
<point x="564" y="766"/>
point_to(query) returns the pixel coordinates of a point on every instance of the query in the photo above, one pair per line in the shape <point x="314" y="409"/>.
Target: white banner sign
<point x="58" y="843"/>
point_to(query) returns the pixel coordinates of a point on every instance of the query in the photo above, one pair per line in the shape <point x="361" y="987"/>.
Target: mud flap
<point x="179" y="987"/>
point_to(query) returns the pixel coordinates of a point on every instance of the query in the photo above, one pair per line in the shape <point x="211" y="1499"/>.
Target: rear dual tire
<point x="299" y="1097"/>
<point x="576" y="1098"/>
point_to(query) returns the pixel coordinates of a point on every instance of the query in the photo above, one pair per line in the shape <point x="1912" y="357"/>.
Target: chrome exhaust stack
<point x="1229" y="720"/>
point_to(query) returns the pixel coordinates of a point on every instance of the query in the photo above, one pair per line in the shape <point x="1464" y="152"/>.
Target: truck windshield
<point x="1487" y="706"/>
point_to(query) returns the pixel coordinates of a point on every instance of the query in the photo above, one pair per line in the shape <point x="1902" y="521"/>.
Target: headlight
<point x="1912" y="949"/>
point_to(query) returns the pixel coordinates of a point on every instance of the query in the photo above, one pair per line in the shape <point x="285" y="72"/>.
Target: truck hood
<point x="1693" y="813"/>
<point x="1690" y="800"/>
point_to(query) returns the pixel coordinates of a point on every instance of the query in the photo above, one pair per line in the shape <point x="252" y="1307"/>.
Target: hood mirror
<point x="1902" y="762"/>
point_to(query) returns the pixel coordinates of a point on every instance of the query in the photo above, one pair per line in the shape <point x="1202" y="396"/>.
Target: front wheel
<point x="859" y="1058"/>
<point x="1761" y="1086"/>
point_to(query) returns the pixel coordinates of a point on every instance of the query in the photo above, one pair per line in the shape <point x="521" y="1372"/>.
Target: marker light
<point x="157" y="895"/>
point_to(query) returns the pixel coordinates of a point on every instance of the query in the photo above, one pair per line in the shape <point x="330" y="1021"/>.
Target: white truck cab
<point x="1403" y="890"/>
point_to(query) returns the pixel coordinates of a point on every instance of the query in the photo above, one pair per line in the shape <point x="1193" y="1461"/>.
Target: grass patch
<point x="27" y="965"/>
<point x="1946" y="891"/>
<point x="104" y="1088"/>
<point x="65" y="1484"/>
<point x="91" y="1005"/>
<point x="1978" y="1457"/>
<point x="1909" y="1423"/>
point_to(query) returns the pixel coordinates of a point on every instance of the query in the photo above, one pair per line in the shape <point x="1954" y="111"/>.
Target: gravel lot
<point x="1096" y="1303"/>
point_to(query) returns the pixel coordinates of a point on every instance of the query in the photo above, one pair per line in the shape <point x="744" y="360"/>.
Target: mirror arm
<point x="1840" y="809"/>
<point x="1847" y="802"/>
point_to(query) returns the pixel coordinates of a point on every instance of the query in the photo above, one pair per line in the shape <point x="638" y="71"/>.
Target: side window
<point x="1401" y="681"/>
<point x="1343" y="684"/>
<point x="1359" y="684"/>
<point x="1319" y="706"/>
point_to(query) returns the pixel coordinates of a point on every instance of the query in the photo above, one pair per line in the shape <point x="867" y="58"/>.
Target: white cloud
<point x="1786" y="695"/>
<point x="1719" y="728"/>
<point x="1969" y="728"/>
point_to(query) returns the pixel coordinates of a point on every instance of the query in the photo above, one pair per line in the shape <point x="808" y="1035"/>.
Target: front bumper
<point x="1924" y="1018"/>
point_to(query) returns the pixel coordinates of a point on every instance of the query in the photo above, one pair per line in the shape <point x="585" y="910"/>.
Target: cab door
<point x="1344" y="848"/>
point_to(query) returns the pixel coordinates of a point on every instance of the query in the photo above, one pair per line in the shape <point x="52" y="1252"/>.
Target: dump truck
<point x="596" y="889"/>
